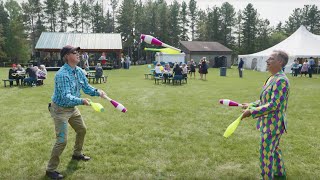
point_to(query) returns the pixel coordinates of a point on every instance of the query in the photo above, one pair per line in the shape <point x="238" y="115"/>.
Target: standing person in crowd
<point x="200" y="69"/>
<point x="299" y="67"/>
<point x="304" y="68"/>
<point x="311" y="66"/>
<point x="128" y="62"/>
<point x="122" y="61"/>
<point x="192" y="69"/>
<point x="69" y="80"/>
<point x="240" y="67"/>
<point x="184" y="71"/>
<point x="204" y="69"/>
<point x="271" y="113"/>
<point x="295" y="68"/>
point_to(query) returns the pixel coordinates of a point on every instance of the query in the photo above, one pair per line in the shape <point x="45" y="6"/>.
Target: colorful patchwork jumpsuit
<point x="271" y="114"/>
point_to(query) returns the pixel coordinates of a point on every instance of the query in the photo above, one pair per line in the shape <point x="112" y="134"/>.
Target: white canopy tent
<point x="301" y="44"/>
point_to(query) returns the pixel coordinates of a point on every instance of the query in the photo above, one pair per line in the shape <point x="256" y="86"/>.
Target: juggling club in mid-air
<point x="154" y="41"/>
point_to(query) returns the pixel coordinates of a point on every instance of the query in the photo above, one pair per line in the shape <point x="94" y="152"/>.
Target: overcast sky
<point x="274" y="10"/>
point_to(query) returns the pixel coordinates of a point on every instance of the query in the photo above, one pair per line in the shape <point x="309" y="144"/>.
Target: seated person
<point x="167" y="72"/>
<point x="177" y="70"/>
<point x="86" y="67"/>
<point x="33" y="77"/>
<point x="99" y="72"/>
<point x="20" y="73"/>
<point x="167" y="69"/>
<point x="158" y="70"/>
<point x="13" y="74"/>
<point x="85" y="70"/>
<point x="42" y="74"/>
<point x="20" y="69"/>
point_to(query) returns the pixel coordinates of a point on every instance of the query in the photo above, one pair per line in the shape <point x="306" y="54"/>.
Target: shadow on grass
<point x="71" y="168"/>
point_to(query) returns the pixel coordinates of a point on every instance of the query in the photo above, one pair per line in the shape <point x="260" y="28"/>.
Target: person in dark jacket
<point x="12" y="74"/>
<point x="204" y="69"/>
<point x="240" y="67"/>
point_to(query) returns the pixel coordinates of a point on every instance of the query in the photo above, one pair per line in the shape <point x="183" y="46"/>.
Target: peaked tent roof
<point x="54" y="41"/>
<point x="204" y="46"/>
<point x="301" y="43"/>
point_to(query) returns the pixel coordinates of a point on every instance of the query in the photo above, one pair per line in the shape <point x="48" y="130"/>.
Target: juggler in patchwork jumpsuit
<point x="271" y="114"/>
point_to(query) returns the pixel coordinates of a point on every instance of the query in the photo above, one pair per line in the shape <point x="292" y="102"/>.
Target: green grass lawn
<point x="169" y="132"/>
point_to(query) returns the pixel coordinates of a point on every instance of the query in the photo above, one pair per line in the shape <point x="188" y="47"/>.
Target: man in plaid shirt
<point x="69" y="80"/>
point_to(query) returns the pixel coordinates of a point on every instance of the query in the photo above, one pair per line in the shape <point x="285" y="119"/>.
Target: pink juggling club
<point x="117" y="105"/>
<point x="229" y="102"/>
<point x="154" y="41"/>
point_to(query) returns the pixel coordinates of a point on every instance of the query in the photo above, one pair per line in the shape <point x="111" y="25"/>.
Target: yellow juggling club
<point x="232" y="127"/>
<point x="97" y="106"/>
<point x="164" y="50"/>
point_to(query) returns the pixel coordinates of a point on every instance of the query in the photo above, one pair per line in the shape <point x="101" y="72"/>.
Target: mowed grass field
<point x="169" y="132"/>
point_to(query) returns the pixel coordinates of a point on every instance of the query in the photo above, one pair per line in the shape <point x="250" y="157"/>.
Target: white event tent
<point x="301" y="44"/>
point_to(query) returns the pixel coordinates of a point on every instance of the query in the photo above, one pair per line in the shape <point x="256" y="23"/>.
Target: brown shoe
<point x="81" y="157"/>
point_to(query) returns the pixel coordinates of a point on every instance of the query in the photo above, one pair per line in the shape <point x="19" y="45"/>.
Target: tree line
<point x="243" y="31"/>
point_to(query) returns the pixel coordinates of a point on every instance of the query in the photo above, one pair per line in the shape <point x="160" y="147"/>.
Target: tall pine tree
<point x="249" y="29"/>
<point x="193" y="17"/>
<point x="75" y="16"/>
<point x="63" y="15"/>
<point x="51" y="10"/>
<point x="17" y="46"/>
<point x="227" y="23"/>
<point x="184" y="22"/>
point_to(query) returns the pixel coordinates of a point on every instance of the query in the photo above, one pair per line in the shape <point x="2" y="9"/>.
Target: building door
<point x="220" y="61"/>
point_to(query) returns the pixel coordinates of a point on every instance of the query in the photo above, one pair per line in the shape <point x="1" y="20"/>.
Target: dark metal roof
<point x="203" y="46"/>
<point x="54" y="41"/>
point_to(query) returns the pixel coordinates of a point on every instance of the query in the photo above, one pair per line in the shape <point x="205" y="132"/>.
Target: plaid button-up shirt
<point x="68" y="83"/>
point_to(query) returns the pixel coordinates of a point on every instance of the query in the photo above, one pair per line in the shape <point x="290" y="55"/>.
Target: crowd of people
<point x="31" y="75"/>
<point x="305" y="68"/>
<point x="182" y="69"/>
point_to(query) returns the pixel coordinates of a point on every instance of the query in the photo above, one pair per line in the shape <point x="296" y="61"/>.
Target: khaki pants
<point x="61" y="116"/>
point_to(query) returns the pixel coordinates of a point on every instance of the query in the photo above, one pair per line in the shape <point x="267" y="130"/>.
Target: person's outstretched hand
<point x="245" y="105"/>
<point x="102" y="93"/>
